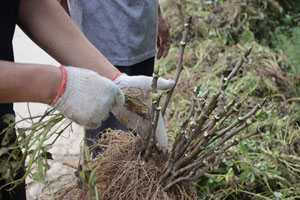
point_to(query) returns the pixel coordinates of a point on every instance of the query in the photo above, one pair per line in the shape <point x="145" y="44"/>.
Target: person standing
<point x="128" y="33"/>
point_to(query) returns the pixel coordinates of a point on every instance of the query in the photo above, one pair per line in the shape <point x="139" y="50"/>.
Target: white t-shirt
<point x="125" y="31"/>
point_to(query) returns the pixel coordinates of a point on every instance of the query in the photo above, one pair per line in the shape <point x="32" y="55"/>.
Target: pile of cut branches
<point x="132" y="167"/>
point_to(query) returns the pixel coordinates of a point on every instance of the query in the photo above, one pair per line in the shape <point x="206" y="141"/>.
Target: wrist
<point x="46" y="80"/>
<point x="51" y="84"/>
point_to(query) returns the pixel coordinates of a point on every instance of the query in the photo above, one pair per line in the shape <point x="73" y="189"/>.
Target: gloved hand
<point x="142" y="125"/>
<point x="86" y="97"/>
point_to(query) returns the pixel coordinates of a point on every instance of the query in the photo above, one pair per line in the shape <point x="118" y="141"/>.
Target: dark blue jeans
<point x="19" y="193"/>
<point x="92" y="135"/>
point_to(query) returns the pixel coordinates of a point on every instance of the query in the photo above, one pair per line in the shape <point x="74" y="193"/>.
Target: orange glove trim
<point x="116" y="76"/>
<point x="62" y="87"/>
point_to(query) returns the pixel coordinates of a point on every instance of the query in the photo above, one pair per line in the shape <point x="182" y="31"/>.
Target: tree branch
<point x="179" y="66"/>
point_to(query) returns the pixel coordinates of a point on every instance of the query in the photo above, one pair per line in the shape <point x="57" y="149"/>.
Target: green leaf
<point x="285" y="193"/>
<point x="243" y="148"/>
<point x="46" y="148"/>
<point x="96" y="192"/>
<point x="3" y="150"/>
<point x="37" y="176"/>
<point x="244" y="175"/>
<point x="252" y="179"/>
<point x="47" y="166"/>
<point x="7" y="174"/>
<point x="82" y="176"/>
<point x="92" y="178"/>
<point x="219" y="178"/>
<point x="8" y="118"/>
<point x="229" y="163"/>
<point x="229" y="175"/>
<point x="173" y="49"/>
<point x="287" y="19"/>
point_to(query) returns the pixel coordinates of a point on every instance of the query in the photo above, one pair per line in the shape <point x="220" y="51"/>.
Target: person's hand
<point x="143" y="82"/>
<point x="163" y="38"/>
<point x="86" y="97"/>
<point x="133" y="120"/>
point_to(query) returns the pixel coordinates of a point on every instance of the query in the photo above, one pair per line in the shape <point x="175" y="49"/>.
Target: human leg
<point x="145" y="67"/>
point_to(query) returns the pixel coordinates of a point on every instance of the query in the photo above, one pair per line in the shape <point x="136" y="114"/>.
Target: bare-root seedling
<point x="136" y="168"/>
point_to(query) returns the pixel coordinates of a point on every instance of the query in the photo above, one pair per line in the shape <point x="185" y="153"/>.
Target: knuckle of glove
<point x="88" y="97"/>
<point x="164" y="84"/>
<point x="144" y="82"/>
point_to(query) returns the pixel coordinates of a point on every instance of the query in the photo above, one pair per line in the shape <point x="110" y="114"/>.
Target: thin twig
<point x="198" y="147"/>
<point x="239" y="121"/>
<point x="179" y="66"/>
<point x="151" y="141"/>
<point x="66" y="191"/>
<point x="155" y="111"/>
<point x="191" y="177"/>
<point x="235" y="69"/>
<point x="70" y="165"/>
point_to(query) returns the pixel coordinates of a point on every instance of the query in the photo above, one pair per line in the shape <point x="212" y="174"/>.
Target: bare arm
<point x="48" y="25"/>
<point x="28" y="82"/>
<point x="73" y="91"/>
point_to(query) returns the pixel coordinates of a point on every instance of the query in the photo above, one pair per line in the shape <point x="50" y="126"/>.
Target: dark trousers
<point x="19" y="193"/>
<point x="92" y="135"/>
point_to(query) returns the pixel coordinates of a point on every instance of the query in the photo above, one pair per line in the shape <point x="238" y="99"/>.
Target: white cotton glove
<point x="143" y="82"/>
<point x="142" y="125"/>
<point x="86" y="97"/>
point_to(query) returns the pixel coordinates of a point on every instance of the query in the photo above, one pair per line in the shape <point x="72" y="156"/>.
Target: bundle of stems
<point x="204" y="137"/>
<point x="202" y="143"/>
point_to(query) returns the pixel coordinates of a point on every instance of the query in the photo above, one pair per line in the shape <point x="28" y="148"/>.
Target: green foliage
<point x="287" y="41"/>
<point x="35" y="139"/>
<point x="267" y="166"/>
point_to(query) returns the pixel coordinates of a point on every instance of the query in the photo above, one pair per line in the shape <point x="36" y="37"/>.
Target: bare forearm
<point x="51" y="28"/>
<point x="28" y="82"/>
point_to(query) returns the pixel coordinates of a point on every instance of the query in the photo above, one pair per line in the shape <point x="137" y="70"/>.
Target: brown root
<point x="122" y="173"/>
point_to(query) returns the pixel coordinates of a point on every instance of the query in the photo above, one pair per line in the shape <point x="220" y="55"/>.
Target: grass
<point x="287" y="42"/>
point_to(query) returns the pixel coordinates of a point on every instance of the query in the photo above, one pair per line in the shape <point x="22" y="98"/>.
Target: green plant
<point x="287" y="41"/>
<point x="34" y="140"/>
